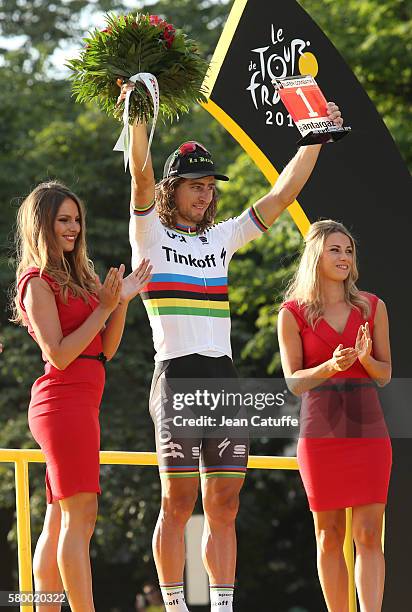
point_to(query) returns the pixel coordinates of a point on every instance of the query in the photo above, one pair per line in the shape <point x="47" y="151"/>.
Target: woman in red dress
<point x="78" y="324"/>
<point x="334" y="346"/>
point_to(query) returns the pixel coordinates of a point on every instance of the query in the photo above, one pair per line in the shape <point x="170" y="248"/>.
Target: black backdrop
<point x="361" y="181"/>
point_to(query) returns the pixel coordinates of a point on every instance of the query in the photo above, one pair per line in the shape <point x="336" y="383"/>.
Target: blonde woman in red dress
<point x="334" y="346"/>
<point x="78" y="324"/>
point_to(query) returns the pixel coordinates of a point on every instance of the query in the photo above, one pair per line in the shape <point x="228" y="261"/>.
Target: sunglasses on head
<point x="190" y="147"/>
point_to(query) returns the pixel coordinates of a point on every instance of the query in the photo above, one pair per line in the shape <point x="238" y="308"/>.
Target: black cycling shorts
<point x="223" y="455"/>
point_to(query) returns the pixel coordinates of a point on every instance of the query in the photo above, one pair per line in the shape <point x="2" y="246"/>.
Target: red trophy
<point x="307" y="106"/>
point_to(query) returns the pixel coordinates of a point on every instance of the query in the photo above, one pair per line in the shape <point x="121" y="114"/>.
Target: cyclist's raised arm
<point x="143" y="182"/>
<point x="293" y="178"/>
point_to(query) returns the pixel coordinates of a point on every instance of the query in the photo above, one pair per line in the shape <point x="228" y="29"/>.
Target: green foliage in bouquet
<point x="139" y="43"/>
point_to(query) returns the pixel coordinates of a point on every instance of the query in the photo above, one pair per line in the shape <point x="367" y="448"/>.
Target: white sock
<point x="174" y="597"/>
<point x="221" y="597"/>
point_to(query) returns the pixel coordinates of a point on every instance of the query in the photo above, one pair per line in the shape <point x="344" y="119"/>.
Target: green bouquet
<point x="133" y="44"/>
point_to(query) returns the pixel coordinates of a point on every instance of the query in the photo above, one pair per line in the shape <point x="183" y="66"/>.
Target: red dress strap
<point x="297" y="311"/>
<point x="28" y="275"/>
<point x="373" y="301"/>
<point x="374" y="304"/>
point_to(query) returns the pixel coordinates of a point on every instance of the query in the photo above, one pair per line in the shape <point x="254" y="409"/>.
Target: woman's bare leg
<point x="78" y="520"/>
<point x="330" y="530"/>
<point x="45" y="569"/>
<point x="370" y="563"/>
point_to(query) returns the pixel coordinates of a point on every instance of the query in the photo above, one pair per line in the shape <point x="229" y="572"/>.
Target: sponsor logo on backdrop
<point x="278" y="56"/>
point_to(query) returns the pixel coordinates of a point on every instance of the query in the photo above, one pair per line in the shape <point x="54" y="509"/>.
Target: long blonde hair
<point x="37" y="246"/>
<point x="305" y="288"/>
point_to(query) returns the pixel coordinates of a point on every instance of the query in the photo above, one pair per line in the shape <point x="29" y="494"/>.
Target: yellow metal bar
<point x="23" y="528"/>
<point x="127" y="458"/>
<point x="272" y="463"/>
<point x="31" y="455"/>
<point x="130" y="458"/>
<point x="350" y="561"/>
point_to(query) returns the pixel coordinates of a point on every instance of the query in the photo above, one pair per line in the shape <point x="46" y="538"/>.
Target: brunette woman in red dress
<point x="334" y="346"/>
<point x="78" y="324"/>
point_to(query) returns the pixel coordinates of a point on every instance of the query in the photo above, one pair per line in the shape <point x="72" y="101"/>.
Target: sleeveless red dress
<point x="344" y="451"/>
<point x="64" y="406"/>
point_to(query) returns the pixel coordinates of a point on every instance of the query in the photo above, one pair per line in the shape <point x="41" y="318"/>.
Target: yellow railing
<point x="22" y="458"/>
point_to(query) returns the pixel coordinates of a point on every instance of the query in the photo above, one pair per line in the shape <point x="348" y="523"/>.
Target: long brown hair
<point x="305" y="288"/>
<point x="37" y="246"/>
<point x="166" y="206"/>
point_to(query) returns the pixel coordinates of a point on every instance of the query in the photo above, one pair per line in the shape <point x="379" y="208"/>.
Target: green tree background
<point x="43" y="134"/>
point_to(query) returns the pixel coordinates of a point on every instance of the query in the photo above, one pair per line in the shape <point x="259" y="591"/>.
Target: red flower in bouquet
<point x="155" y="20"/>
<point x="168" y="29"/>
<point x="169" y="34"/>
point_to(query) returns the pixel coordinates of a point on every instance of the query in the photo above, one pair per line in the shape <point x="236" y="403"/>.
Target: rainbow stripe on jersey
<point x="180" y="294"/>
<point x="146" y="210"/>
<point x="257" y="219"/>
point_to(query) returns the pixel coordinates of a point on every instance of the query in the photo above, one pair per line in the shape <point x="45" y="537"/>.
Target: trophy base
<point x="323" y="136"/>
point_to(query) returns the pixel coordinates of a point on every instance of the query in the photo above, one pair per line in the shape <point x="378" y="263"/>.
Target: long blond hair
<point x="305" y="288"/>
<point x="36" y="245"/>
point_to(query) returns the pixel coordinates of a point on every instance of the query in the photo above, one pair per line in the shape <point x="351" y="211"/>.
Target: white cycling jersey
<point x="187" y="298"/>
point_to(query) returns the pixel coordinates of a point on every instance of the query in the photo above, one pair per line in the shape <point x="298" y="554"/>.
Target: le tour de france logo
<point x="278" y="58"/>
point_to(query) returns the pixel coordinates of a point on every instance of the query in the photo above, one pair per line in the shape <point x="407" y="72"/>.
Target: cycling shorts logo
<point x="239" y="450"/>
<point x="223" y="446"/>
<point x="168" y="448"/>
<point x="195" y="452"/>
<point x="173" y="449"/>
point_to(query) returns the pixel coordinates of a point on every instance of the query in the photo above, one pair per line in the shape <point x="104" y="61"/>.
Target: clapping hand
<point x="109" y="291"/>
<point x="343" y="358"/>
<point x="363" y="343"/>
<point x="134" y="283"/>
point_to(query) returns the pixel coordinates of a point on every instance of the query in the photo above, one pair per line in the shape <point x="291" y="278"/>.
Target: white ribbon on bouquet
<point x="123" y="143"/>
